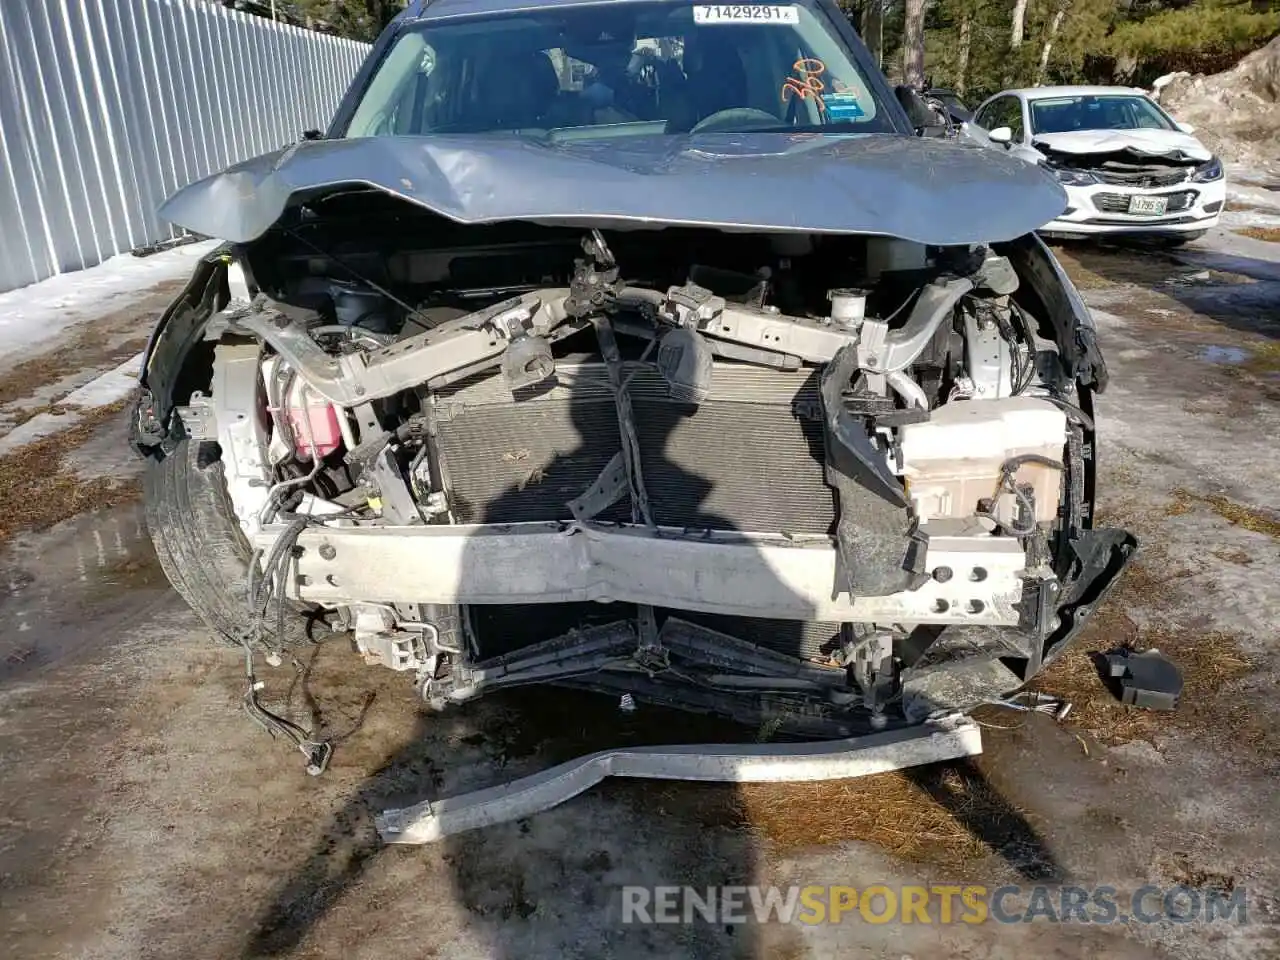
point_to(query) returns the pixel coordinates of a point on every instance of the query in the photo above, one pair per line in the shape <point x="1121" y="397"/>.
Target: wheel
<point x="201" y="547"/>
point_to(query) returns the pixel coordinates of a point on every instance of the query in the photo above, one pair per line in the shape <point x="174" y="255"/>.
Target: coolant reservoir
<point x="309" y="412"/>
<point x="954" y="460"/>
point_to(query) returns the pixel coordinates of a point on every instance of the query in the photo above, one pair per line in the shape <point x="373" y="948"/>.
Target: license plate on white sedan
<point x="1151" y="206"/>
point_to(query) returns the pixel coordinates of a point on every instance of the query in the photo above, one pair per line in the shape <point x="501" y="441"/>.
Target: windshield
<point x="1106" y="112"/>
<point x="633" y="68"/>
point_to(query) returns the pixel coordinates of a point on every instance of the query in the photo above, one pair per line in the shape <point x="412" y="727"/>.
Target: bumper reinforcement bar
<point x="733" y="574"/>
<point x="947" y="738"/>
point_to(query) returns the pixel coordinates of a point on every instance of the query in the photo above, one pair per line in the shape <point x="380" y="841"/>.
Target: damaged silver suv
<point x="637" y="347"/>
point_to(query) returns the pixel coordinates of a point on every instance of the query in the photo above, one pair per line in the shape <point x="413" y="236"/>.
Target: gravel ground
<point x="142" y="816"/>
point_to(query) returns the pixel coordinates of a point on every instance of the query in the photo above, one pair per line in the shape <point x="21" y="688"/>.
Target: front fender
<point x="1060" y="302"/>
<point x="166" y="358"/>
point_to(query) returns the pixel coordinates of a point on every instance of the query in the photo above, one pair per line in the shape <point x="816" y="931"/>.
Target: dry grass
<point x="1107" y="267"/>
<point x="1270" y="234"/>
<point x="141" y="570"/>
<point x="1095" y="267"/>
<point x="1236" y="514"/>
<point x="1239" y="557"/>
<point x="792" y="948"/>
<point x="1081" y="275"/>
<point x="100" y="344"/>
<point x="1240" y="206"/>
<point x="1178" y="870"/>
<point x="890" y="810"/>
<point x="1210" y="662"/>
<point x="55" y="409"/>
<point x="36" y="489"/>
<point x="945" y="815"/>
<point x="1264" y="358"/>
<point x="85" y="351"/>
<point x="1137" y="513"/>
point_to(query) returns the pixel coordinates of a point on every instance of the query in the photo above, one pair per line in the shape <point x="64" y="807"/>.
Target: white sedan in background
<point x="1127" y="166"/>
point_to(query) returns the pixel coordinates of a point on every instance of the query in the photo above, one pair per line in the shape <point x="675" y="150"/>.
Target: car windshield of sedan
<point x="1096" y="112"/>
<point x="592" y="71"/>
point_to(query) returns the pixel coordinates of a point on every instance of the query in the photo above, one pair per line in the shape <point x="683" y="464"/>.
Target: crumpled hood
<point x="930" y="191"/>
<point x="1155" y="143"/>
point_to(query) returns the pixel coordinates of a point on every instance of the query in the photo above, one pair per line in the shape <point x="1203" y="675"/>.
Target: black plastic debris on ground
<point x="1148" y="679"/>
<point x="148" y="249"/>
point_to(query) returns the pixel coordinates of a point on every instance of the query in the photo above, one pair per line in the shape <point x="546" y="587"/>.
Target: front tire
<point x="200" y="545"/>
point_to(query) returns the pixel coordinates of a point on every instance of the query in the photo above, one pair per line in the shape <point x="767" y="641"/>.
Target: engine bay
<point x="392" y="326"/>
<point x="520" y="453"/>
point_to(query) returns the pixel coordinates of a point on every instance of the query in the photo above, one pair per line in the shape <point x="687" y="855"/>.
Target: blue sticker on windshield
<point x="843" y="106"/>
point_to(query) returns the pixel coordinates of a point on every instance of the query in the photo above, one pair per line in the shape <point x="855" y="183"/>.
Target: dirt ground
<point x="142" y="815"/>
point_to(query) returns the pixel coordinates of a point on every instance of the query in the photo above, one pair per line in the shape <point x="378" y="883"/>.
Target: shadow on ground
<point x="1239" y="292"/>
<point x="551" y="885"/>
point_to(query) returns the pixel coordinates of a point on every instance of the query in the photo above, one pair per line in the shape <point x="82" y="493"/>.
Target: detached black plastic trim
<point x="1103" y="556"/>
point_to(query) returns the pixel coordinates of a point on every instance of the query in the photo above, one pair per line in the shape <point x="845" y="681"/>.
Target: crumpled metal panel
<point x="1172" y="144"/>
<point x="947" y="738"/>
<point x="929" y="191"/>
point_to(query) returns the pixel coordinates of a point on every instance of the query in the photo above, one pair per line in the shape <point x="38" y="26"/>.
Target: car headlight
<point x="1074" y="178"/>
<point x="1208" y="172"/>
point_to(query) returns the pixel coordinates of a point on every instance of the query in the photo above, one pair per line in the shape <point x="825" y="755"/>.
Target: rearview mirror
<point x="1186" y="127"/>
<point x="1001" y="135"/>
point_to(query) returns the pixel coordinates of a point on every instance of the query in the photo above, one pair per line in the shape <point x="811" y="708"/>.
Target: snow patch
<point x="1236" y="110"/>
<point x="1161" y="82"/>
<point x="33" y="314"/>
<point x="104" y="390"/>
<point x="111" y="386"/>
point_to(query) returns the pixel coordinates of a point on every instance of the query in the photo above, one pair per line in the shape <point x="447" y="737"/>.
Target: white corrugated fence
<point x="109" y="106"/>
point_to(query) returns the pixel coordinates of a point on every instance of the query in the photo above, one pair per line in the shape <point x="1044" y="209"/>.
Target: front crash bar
<point x="947" y="738"/>
<point x="733" y="574"/>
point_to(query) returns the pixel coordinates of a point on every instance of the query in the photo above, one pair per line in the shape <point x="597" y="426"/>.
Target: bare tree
<point x="913" y="44"/>
<point x="1019" y="23"/>
<point x="1054" y="25"/>
<point x="873" y="29"/>
<point x="962" y="54"/>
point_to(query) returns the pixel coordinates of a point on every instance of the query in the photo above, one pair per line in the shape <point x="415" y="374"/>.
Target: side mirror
<point x="312" y="135"/>
<point x="1002" y="135"/>
<point x="917" y="110"/>
<point x="1186" y="127"/>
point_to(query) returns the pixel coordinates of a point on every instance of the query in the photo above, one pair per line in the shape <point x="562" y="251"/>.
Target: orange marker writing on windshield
<point x="807" y="85"/>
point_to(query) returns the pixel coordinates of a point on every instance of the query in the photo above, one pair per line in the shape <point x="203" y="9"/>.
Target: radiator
<point x="749" y="457"/>
<point x="502" y="629"/>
